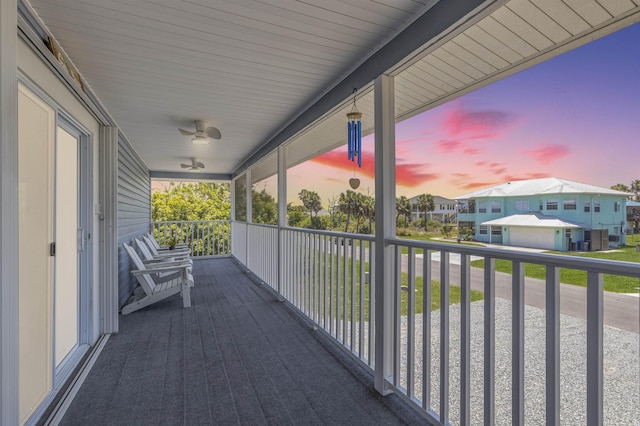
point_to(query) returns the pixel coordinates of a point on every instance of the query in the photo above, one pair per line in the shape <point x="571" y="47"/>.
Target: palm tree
<point x="403" y="208"/>
<point x="347" y="205"/>
<point x="426" y="204"/>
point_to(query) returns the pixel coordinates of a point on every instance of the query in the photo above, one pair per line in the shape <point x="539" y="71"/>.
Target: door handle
<point x="81" y="240"/>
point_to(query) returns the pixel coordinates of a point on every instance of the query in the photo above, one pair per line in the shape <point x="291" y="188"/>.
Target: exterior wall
<point x="134" y="211"/>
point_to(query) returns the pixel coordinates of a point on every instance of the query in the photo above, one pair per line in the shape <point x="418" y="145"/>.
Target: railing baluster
<point x="489" y="341"/>
<point x="397" y="289"/>
<point x="517" y="347"/>
<point x="465" y="339"/>
<point x="345" y="291"/>
<point x="552" y="306"/>
<point x="353" y="295"/>
<point x="332" y="274"/>
<point x="444" y="337"/>
<point x="372" y="295"/>
<point x="411" y="320"/>
<point x="426" y="329"/>
<point x="362" y="299"/>
<point x="339" y="274"/>
<point x="595" y="383"/>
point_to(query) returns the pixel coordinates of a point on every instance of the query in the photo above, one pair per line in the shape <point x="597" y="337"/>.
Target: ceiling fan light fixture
<point x="200" y="141"/>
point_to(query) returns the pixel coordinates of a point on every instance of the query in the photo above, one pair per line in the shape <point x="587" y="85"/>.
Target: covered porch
<point x="334" y="327"/>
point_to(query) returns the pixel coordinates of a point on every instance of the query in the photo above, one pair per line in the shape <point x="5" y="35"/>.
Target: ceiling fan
<point x="203" y="133"/>
<point x="195" y="165"/>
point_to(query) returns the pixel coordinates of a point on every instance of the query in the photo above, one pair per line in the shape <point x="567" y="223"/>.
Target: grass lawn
<point x="433" y="239"/>
<point x="613" y="283"/>
<point x="338" y="291"/>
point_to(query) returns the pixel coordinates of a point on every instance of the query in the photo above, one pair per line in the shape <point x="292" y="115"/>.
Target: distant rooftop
<point x="552" y="185"/>
<point x="534" y="219"/>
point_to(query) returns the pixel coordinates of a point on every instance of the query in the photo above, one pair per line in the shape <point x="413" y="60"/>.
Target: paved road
<point x="620" y="310"/>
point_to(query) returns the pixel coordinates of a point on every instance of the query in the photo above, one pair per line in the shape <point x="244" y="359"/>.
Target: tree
<point x="347" y="205"/>
<point x="334" y="212"/>
<point x="264" y="208"/>
<point x="403" y="208"/>
<point x="311" y="201"/>
<point x="296" y="216"/>
<point x="366" y="209"/>
<point x="620" y="187"/>
<point x="426" y="204"/>
<point x="635" y="188"/>
<point x="192" y="201"/>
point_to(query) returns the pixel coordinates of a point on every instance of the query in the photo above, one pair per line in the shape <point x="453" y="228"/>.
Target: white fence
<point x="262" y="252"/>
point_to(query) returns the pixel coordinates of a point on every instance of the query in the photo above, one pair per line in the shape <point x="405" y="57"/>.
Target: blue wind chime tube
<point x="354" y="137"/>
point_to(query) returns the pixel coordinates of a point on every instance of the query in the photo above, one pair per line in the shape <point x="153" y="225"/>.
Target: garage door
<point x="532" y="237"/>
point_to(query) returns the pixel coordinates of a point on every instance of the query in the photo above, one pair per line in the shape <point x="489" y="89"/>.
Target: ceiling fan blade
<point x="199" y="165"/>
<point x="213" y="132"/>
<point x="185" y="166"/>
<point x="186" y="132"/>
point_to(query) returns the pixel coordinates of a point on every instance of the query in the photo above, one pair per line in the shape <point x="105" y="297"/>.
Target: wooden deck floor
<point x="237" y="356"/>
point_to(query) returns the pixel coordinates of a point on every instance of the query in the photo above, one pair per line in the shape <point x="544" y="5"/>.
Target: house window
<point x="522" y="205"/>
<point x="616" y="206"/>
<point x="496" y="230"/>
<point x="496" y="207"/>
<point x="567" y="233"/>
<point x="569" y="204"/>
<point x="596" y="206"/>
<point x="587" y="206"/>
<point x="552" y="204"/>
<point x="541" y="205"/>
<point x="483" y="229"/>
<point x="482" y="206"/>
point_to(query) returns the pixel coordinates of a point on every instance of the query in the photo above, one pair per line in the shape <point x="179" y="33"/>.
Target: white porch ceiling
<point x="251" y="66"/>
<point x="246" y="66"/>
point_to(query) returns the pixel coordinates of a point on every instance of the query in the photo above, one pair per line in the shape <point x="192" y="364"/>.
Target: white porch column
<point x="232" y="191"/>
<point x="385" y="181"/>
<point x="248" y="218"/>
<point x="282" y="211"/>
<point x="248" y="195"/>
<point x="9" y="402"/>
<point x="108" y="146"/>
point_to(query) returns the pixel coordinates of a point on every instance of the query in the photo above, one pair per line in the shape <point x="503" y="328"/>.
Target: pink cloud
<point x="407" y="174"/>
<point x="449" y="146"/>
<point x="512" y="178"/>
<point x="472" y="151"/>
<point x="481" y="124"/>
<point x="547" y="153"/>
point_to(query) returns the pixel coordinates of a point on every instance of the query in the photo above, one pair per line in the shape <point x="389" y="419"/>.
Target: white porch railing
<point x="205" y="238"/>
<point x="464" y="371"/>
<point x="326" y="276"/>
<point x="262" y="252"/>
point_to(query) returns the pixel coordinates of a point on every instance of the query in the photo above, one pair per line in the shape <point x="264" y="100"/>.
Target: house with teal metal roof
<point x="549" y="213"/>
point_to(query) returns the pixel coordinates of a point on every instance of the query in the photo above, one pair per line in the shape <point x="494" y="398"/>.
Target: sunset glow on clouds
<point x="560" y="118"/>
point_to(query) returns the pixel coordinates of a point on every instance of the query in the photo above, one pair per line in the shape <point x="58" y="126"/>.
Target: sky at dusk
<point x="576" y="116"/>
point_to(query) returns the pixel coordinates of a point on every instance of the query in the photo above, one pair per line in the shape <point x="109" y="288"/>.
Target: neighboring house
<point x="548" y="213"/>
<point x="633" y="217"/>
<point x="445" y="209"/>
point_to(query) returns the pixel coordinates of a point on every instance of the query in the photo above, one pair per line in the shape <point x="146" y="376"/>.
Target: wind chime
<point x="354" y="139"/>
